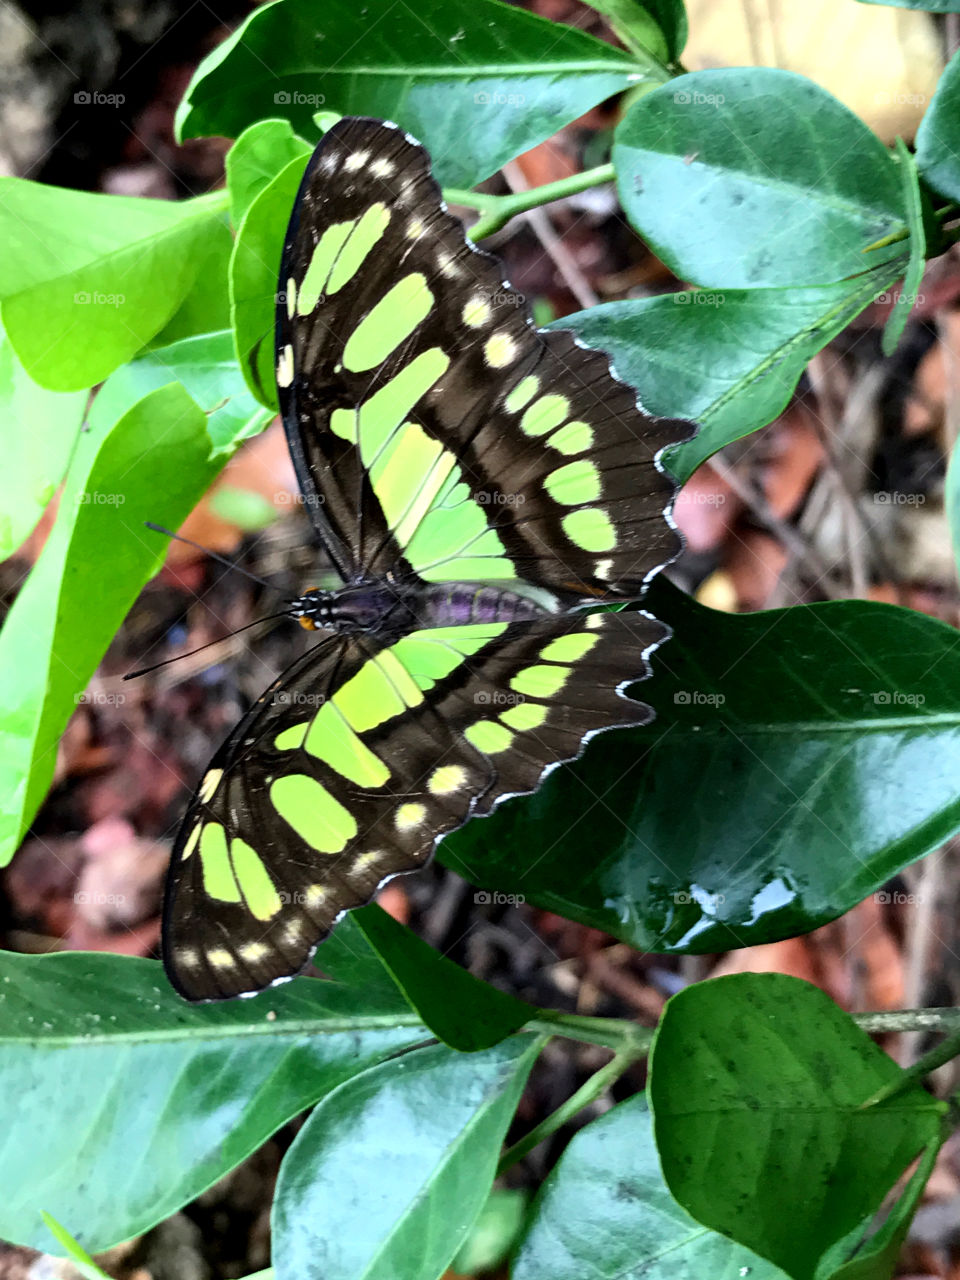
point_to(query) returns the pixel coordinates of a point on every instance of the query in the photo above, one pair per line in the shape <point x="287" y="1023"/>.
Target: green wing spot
<point x="315" y="278"/>
<point x="431" y="655"/>
<point x="315" y="815"/>
<point x="368" y="699"/>
<point x="528" y="715"/>
<point x="258" y="889"/>
<point x="544" y="414"/>
<point x="575" y="483"/>
<point x="333" y="741"/>
<point x="291" y="738"/>
<point x="540" y="682"/>
<point x="339" y="255"/>
<point x="575" y="437"/>
<point x="488" y="737"/>
<point x="407" y="476"/>
<point x="400" y="678"/>
<point x="569" y="648"/>
<point x="522" y="394"/>
<point x="218" y="879"/>
<point x="590" y="529"/>
<point x="372" y="423"/>
<point x="389" y="323"/>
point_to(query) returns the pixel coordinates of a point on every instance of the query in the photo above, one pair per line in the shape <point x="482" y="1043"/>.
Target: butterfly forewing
<point x="443" y="432"/>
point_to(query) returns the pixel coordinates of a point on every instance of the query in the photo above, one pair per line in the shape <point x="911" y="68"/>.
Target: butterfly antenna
<point x="178" y="537"/>
<point x="132" y="675"/>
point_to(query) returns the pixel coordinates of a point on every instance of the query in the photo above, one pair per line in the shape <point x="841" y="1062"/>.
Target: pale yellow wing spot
<point x="410" y="816"/>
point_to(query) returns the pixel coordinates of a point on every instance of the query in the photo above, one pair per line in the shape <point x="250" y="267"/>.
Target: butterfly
<point x="475" y="483"/>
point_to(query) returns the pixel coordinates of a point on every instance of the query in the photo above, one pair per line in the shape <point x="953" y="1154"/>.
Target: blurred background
<point x="841" y="497"/>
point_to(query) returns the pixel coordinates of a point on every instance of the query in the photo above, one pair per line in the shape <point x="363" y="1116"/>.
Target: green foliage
<point x="822" y="740"/>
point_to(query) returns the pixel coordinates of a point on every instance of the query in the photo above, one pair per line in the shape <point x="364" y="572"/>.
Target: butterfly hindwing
<point x="359" y="759"/>
<point x="440" y="431"/>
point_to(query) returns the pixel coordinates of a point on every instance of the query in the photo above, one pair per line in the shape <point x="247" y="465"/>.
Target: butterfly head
<point x="363" y="606"/>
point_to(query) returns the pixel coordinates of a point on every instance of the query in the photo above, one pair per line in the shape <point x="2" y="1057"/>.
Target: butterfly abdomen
<point x="458" y="604"/>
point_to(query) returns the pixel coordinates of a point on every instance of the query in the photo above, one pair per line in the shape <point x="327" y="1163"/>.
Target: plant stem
<point x="943" y="1020"/>
<point x="945" y="1050"/>
<point x="588" y="1092"/>
<point x="496" y="211"/>
<point x="618" y="1034"/>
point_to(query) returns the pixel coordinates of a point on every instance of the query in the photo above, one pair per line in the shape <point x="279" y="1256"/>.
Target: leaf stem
<point x="618" y="1034"/>
<point x="496" y="211"/>
<point x="944" y="1051"/>
<point x="588" y="1092"/>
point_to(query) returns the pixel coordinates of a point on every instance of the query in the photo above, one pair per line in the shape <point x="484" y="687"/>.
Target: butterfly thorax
<point x="395" y="607"/>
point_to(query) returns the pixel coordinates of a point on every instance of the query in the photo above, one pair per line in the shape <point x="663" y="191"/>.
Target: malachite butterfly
<point x="475" y="483"/>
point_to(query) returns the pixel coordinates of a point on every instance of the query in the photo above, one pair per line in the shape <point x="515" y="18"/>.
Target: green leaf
<point x="756" y="1082"/>
<point x="206" y="308"/>
<point x="152" y="1098"/>
<point x="461" y="1010"/>
<point x="604" y="1211"/>
<point x="254" y="269"/>
<point x="638" y="27"/>
<point x="206" y="366"/>
<point x="938" y="137"/>
<point x="795" y="724"/>
<point x="729" y="361"/>
<point x="247" y="509"/>
<point x="87" y="280"/>
<point x="493" y="1234"/>
<point x="392" y="1169"/>
<point x="876" y="1258"/>
<point x="153" y="464"/>
<point x="476" y="80"/>
<point x="907" y="297"/>
<point x="256" y="158"/>
<point x="732" y="179"/>
<point x="40" y="430"/>
<point x="77" y="1255"/>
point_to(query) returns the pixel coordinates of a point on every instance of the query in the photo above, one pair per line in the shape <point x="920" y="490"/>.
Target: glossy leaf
<point x="256" y="158"/>
<point x="645" y="29"/>
<point x="152" y="464"/>
<point x="605" y="1211"/>
<point x="491" y="80"/>
<point x="152" y="1098"/>
<point x="40" y="430"/>
<point x="391" y="1170"/>
<point x="727" y="360"/>
<point x="907" y="297"/>
<point x="494" y="1233"/>
<point x="87" y="279"/>
<point x="876" y="1257"/>
<point x="756" y="1086"/>
<point x="461" y="1010"/>
<point x="820" y="744"/>
<point x="254" y="269"/>
<point x="938" y="137"/>
<point x="731" y="178"/>
<point x="206" y="367"/>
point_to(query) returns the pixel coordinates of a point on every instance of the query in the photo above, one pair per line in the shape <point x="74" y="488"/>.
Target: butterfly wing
<point x="435" y="430"/>
<point x="358" y="760"/>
